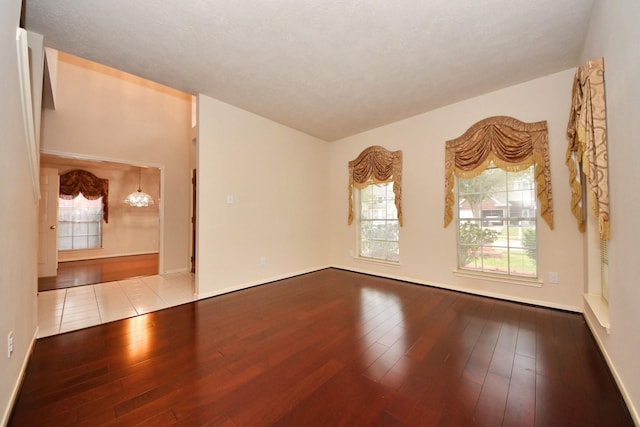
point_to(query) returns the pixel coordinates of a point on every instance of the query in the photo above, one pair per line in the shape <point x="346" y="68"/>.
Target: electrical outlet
<point x="10" y="344"/>
<point x="351" y="253"/>
<point x="554" y="278"/>
<point x="263" y="261"/>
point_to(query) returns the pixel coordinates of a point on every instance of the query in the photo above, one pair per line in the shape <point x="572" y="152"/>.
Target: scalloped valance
<point x="79" y="181"/>
<point x="509" y="144"/>
<point x="587" y="150"/>
<point x="379" y="165"/>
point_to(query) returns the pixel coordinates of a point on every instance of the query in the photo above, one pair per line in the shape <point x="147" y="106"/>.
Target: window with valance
<point x="78" y="181"/>
<point x="376" y="165"/>
<point x="506" y="143"/>
<point x="377" y="176"/>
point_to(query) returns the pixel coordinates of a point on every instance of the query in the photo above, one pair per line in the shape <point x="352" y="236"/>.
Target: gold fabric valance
<point x="587" y="150"/>
<point x="79" y="181"/>
<point x="380" y="165"/>
<point x="511" y="145"/>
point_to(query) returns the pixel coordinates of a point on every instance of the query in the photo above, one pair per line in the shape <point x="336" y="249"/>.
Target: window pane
<point x="94" y="241"/>
<point x="497" y="222"/>
<point x="521" y="264"/>
<point x="64" y="243"/>
<point x="79" y="242"/>
<point x="79" y="218"/>
<point x="93" y="228"/>
<point x="379" y="228"/>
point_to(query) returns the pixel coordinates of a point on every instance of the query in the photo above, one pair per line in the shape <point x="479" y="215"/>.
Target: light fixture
<point x="138" y="198"/>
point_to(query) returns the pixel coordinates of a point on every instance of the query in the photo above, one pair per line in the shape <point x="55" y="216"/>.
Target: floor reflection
<point x="383" y="332"/>
<point x="140" y="336"/>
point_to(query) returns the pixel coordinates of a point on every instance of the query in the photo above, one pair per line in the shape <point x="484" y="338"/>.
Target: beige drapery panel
<point x="381" y="166"/>
<point x="511" y="145"/>
<point x="587" y="150"/>
<point x="79" y="181"/>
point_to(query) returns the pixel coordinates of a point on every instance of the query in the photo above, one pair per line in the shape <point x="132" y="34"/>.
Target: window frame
<point x="485" y="223"/>
<point x="72" y="225"/>
<point x="390" y="197"/>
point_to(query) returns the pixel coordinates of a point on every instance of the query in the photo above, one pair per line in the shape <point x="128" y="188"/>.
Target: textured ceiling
<point x="330" y="68"/>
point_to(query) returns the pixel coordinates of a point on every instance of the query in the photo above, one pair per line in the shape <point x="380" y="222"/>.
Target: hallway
<point x="100" y="270"/>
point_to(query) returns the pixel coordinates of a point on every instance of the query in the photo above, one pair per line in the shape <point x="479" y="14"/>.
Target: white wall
<point x="278" y="179"/>
<point x="103" y="113"/>
<point x="427" y="250"/>
<point x="614" y="34"/>
<point x="18" y="214"/>
<point x="130" y="230"/>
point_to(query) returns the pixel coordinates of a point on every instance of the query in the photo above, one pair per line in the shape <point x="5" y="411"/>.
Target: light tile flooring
<point x="65" y="310"/>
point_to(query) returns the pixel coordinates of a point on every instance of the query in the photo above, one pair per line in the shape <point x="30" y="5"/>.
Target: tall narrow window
<point x="379" y="231"/>
<point x="79" y="223"/>
<point x="497" y="222"/>
<point x="376" y="174"/>
<point x="500" y="167"/>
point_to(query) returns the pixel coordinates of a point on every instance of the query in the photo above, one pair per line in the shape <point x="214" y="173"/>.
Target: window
<point x="379" y="231"/>
<point x="497" y="222"/>
<point x="79" y="223"/>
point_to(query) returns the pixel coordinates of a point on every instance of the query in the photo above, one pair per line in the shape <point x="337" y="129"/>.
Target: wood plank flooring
<point x="100" y="270"/>
<point x="330" y="348"/>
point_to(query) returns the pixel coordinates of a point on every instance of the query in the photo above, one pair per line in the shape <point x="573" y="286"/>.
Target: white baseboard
<point x="258" y="282"/>
<point x="623" y="390"/>
<point x="178" y="270"/>
<point x="18" y="384"/>
<point x="466" y="290"/>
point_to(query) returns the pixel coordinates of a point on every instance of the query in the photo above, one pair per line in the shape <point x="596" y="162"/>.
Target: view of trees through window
<point x="497" y="222"/>
<point x="379" y="227"/>
<point x="79" y="223"/>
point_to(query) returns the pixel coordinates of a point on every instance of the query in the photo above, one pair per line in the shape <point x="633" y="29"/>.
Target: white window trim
<point x="503" y="278"/>
<point x="497" y="277"/>
<point x="593" y="296"/>
<point x="359" y="257"/>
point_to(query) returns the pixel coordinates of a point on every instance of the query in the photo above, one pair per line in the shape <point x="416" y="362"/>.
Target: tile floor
<point x="65" y="310"/>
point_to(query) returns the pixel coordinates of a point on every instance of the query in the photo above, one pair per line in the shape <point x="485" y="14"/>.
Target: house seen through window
<point x="497" y="222"/>
<point x="79" y="223"/>
<point x="379" y="232"/>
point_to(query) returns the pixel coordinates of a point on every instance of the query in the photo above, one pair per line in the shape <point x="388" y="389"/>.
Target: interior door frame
<point x="194" y="193"/>
<point x="160" y="167"/>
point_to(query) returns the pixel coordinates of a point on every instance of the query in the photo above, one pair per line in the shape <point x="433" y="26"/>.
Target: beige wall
<point x="277" y="177"/>
<point x="102" y="113"/>
<point x="18" y="211"/>
<point x="614" y="35"/>
<point x="290" y="209"/>
<point x="427" y="250"/>
<point x="130" y="230"/>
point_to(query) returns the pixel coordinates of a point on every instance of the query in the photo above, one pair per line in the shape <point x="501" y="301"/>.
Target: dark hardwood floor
<point x="100" y="270"/>
<point x="330" y="348"/>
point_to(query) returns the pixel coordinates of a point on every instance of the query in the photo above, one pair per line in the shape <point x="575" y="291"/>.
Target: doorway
<point x="130" y="236"/>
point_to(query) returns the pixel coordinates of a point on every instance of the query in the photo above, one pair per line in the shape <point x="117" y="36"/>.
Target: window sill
<point x="377" y="261"/>
<point x="533" y="282"/>
<point x="600" y="309"/>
